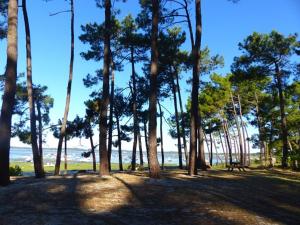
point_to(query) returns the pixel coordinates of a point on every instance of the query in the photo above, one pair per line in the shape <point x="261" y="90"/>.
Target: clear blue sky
<point x="225" y="24"/>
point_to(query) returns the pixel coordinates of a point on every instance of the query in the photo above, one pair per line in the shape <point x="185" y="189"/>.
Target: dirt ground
<point x="212" y="197"/>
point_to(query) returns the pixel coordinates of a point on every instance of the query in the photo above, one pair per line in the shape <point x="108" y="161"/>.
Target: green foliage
<point x="15" y="171"/>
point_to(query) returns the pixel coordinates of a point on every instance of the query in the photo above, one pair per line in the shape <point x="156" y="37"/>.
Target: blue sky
<point x="225" y="24"/>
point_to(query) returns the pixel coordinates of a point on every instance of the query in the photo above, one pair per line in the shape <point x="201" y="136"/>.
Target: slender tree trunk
<point x="177" y="123"/>
<point x="260" y="128"/>
<point x="153" y="161"/>
<point x="223" y="149"/>
<point x="39" y="172"/>
<point x="140" y="147"/>
<point x="119" y="143"/>
<point x="104" y="167"/>
<point x="146" y="140"/>
<point x="239" y="132"/>
<point x="68" y="98"/>
<point x="66" y="155"/>
<point x="216" y="150"/>
<point x="38" y="106"/>
<point x="182" y="122"/>
<point x="284" y="132"/>
<point x="8" y="99"/>
<point x="111" y="100"/>
<point x="248" y="143"/>
<point x="161" y="137"/>
<point x="195" y="91"/>
<point x="211" y="149"/>
<point x="134" y="109"/>
<point x="243" y="131"/>
<point x="93" y="153"/>
<point x="226" y="133"/>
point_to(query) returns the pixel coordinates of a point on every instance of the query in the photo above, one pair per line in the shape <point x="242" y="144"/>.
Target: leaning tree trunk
<point x="177" y="122"/>
<point x="134" y="109"/>
<point x="153" y="161"/>
<point x="104" y="170"/>
<point x="93" y="152"/>
<point x="243" y="130"/>
<point x="211" y="149"/>
<point x="68" y="98"/>
<point x="111" y="101"/>
<point x="8" y="99"/>
<point x="195" y="91"/>
<point x="38" y="169"/>
<point x="227" y="136"/>
<point x="223" y="149"/>
<point x="239" y="132"/>
<point x="284" y="132"/>
<point x="161" y="137"/>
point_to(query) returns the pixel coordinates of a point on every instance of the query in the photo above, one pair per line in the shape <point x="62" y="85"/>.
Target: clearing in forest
<point x="212" y="197"/>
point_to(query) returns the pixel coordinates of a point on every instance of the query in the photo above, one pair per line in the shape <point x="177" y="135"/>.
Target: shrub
<point x="15" y="171"/>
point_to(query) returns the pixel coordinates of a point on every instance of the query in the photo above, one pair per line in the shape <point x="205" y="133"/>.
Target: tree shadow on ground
<point x="213" y="197"/>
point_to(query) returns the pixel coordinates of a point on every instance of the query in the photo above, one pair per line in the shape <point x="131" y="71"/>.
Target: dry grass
<point x="213" y="197"/>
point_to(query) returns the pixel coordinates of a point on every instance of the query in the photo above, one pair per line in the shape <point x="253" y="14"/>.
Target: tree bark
<point x="201" y="154"/>
<point x="38" y="169"/>
<point x="226" y="133"/>
<point x="104" y="167"/>
<point x="284" y="132"/>
<point x="8" y="99"/>
<point x="68" y="98"/>
<point x="223" y="149"/>
<point x="195" y="91"/>
<point x="111" y="101"/>
<point x="153" y="161"/>
<point x="177" y="123"/>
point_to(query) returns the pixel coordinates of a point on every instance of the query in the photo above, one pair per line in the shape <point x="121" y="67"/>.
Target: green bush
<point x="15" y="171"/>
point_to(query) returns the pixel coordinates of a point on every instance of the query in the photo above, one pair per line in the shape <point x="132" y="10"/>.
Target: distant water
<point x="74" y="156"/>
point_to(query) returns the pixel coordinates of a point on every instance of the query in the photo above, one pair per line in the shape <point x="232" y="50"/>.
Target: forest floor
<point x="212" y="197"/>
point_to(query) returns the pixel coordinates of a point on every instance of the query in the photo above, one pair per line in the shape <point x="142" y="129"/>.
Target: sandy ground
<point x="213" y="197"/>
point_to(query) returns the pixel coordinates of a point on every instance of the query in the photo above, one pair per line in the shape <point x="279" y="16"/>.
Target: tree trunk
<point x="104" y="167"/>
<point x="111" y="101"/>
<point x="195" y="91"/>
<point x="134" y="109"/>
<point x="140" y="147"/>
<point x="243" y="131"/>
<point x="226" y="133"/>
<point x="284" y="132"/>
<point x="66" y="155"/>
<point x="161" y="137"/>
<point x="211" y="149"/>
<point x="93" y="153"/>
<point x="38" y="106"/>
<point x="260" y="128"/>
<point x="177" y="123"/>
<point x="8" y="99"/>
<point x="182" y="122"/>
<point x="223" y="149"/>
<point x="241" y="151"/>
<point x="68" y="99"/>
<point x="38" y="169"/>
<point x="119" y="143"/>
<point x="201" y="154"/>
<point x="146" y="140"/>
<point x="153" y="161"/>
